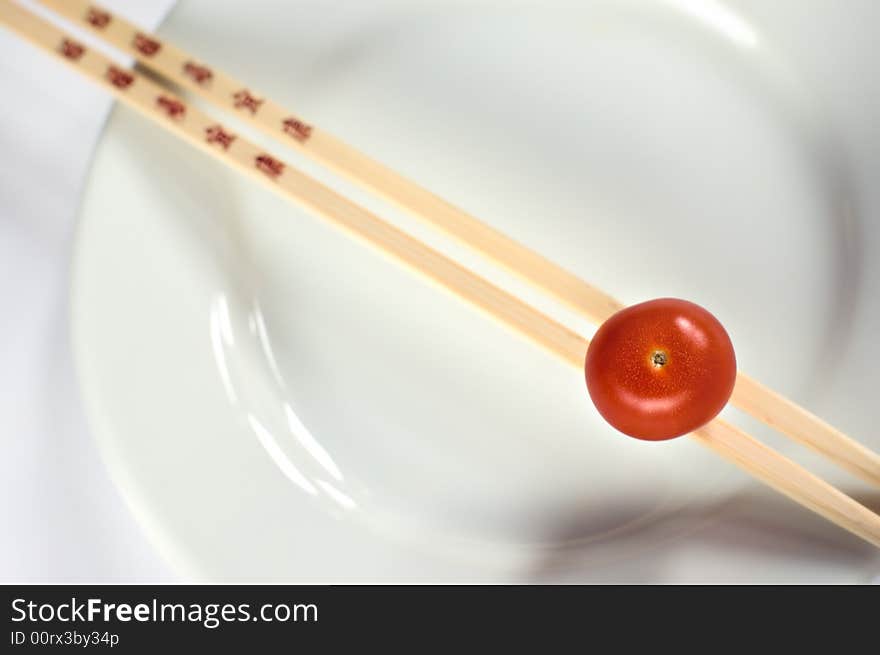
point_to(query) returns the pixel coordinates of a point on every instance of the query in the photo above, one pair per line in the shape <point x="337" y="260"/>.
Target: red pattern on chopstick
<point x="72" y="50"/>
<point x="146" y="45"/>
<point x="216" y="134"/>
<point x="98" y="18"/>
<point x="297" y="129"/>
<point x="200" y="74"/>
<point x="244" y="99"/>
<point x="119" y="78"/>
<point x="269" y="165"/>
<point x="172" y="107"/>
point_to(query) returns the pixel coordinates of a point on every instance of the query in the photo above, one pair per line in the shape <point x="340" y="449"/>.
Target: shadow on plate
<point x="755" y="522"/>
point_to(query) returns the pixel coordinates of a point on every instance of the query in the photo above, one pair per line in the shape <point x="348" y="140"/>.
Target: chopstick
<point x="197" y="128"/>
<point x="271" y="118"/>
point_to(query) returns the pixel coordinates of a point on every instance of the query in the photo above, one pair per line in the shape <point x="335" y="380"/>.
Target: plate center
<point x="641" y="150"/>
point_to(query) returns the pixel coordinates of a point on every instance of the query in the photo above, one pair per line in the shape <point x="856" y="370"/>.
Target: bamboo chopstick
<point x="222" y="90"/>
<point x="187" y="122"/>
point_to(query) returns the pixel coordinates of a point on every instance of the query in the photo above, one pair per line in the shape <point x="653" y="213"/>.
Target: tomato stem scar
<point x="659" y="359"/>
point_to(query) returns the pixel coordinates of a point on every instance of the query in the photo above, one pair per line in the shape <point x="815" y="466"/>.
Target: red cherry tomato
<point x="660" y="369"/>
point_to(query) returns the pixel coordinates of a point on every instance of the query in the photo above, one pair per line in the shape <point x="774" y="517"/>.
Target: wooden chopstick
<point x="187" y="122"/>
<point x="265" y="114"/>
<point x="222" y="90"/>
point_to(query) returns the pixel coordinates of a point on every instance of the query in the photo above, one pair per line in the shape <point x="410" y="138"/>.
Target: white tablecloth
<point x="62" y="519"/>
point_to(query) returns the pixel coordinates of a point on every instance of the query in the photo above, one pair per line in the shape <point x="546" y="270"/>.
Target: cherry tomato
<point x="660" y="369"/>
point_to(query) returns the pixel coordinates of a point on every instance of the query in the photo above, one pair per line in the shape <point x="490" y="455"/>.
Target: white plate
<point x="278" y="403"/>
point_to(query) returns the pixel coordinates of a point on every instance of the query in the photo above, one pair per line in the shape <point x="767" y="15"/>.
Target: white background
<point x="62" y="519"/>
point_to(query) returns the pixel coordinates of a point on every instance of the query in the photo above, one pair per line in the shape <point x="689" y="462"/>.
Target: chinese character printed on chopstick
<point x="216" y="134"/>
<point x="245" y="100"/>
<point x="119" y="78"/>
<point x="145" y="45"/>
<point x="98" y="18"/>
<point x="71" y="49"/>
<point x="297" y="129"/>
<point x="173" y="107"/>
<point x="270" y="166"/>
<point x="201" y="75"/>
